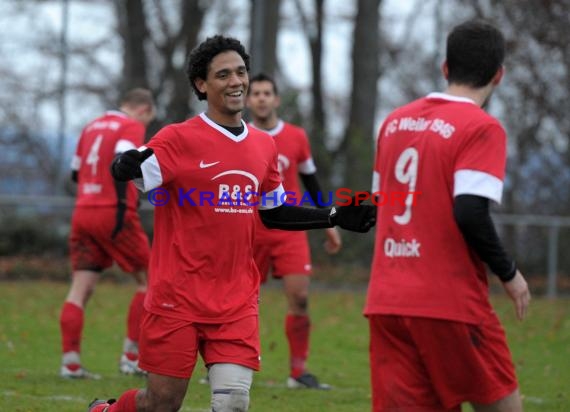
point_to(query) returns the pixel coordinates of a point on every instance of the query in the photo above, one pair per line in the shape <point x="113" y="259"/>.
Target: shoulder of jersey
<point x="290" y="127"/>
<point x="190" y="123"/>
<point x="254" y="131"/>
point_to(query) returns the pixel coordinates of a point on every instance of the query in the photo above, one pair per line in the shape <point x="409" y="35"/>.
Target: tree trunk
<point x="263" y="40"/>
<point x="134" y="31"/>
<point x="359" y="134"/>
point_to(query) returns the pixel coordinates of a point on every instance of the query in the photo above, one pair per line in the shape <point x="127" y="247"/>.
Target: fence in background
<point x="536" y="240"/>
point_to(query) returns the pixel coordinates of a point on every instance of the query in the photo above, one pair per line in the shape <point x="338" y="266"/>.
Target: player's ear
<point x="498" y="76"/>
<point x="445" y="70"/>
<point x="200" y="85"/>
<point x="277" y="101"/>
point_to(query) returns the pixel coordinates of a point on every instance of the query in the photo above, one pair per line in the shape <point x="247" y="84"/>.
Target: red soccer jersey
<point x="201" y="266"/>
<point x="439" y="147"/>
<point x="98" y="144"/>
<point x="294" y="157"/>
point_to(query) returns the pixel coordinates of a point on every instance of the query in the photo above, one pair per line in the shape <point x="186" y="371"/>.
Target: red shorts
<point x="91" y="246"/>
<point x="428" y="365"/>
<point x="288" y="254"/>
<point x="170" y="347"/>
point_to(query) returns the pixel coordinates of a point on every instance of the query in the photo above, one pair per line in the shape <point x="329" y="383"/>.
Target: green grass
<point x="29" y="352"/>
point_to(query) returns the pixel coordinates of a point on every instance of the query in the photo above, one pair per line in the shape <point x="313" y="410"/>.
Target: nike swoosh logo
<point x="204" y="165"/>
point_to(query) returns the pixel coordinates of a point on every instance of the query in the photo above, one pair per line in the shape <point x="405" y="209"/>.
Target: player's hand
<point x="333" y="242"/>
<point x="359" y="218"/>
<point x="120" y="219"/>
<point x="518" y="291"/>
<point x="127" y="165"/>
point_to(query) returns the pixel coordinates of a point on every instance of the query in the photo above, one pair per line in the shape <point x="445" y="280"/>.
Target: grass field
<point x="29" y="352"/>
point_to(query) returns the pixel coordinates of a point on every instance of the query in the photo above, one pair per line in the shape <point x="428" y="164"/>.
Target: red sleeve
<point x="78" y="156"/>
<point x="134" y="132"/>
<point x="484" y="150"/>
<point x="272" y="178"/>
<point x="305" y="147"/>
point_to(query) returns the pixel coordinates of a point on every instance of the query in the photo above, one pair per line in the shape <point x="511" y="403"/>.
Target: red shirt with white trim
<point x="428" y="152"/>
<point x="294" y="157"/>
<point x="201" y="266"/>
<point x="100" y="141"/>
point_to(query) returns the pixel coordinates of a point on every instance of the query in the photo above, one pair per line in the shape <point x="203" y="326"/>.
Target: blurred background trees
<point x="341" y="67"/>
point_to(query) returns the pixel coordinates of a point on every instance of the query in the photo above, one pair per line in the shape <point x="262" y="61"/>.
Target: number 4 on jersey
<point x="93" y="156"/>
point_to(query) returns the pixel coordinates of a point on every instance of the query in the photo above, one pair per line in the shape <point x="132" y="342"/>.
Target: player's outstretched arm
<point x="359" y="218"/>
<point x="127" y="165"/>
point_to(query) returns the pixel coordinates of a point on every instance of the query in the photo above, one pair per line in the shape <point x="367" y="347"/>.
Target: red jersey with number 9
<point x="98" y="144"/>
<point x="428" y="152"/>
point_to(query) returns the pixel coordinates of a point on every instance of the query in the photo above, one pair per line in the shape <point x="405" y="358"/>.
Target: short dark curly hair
<point x="200" y="58"/>
<point x="475" y="52"/>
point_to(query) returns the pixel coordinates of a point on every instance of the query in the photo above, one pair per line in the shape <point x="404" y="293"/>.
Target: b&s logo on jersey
<point x="236" y="194"/>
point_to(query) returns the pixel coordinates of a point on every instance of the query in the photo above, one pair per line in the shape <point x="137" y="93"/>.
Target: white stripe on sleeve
<point x="375" y="181"/>
<point x="475" y="182"/>
<point x="75" y="163"/>
<point x="152" y="176"/>
<point x="307" y="167"/>
<point x="123" y="145"/>
<point x="272" y="199"/>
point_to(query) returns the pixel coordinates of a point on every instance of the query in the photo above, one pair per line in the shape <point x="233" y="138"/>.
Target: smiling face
<point x="226" y="87"/>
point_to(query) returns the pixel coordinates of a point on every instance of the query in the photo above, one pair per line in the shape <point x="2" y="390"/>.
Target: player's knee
<point x="230" y="400"/>
<point x="230" y="385"/>
<point x="301" y="302"/>
<point x="161" y="397"/>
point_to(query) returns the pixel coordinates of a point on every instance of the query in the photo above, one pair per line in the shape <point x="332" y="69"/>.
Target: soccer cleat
<point x="75" y="371"/>
<point x="99" y="405"/>
<point x="306" y="381"/>
<point x="129" y="365"/>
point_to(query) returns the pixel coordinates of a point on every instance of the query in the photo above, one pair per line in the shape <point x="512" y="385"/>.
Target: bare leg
<point x="162" y="394"/>
<point x="83" y="284"/>
<point x="297" y="292"/>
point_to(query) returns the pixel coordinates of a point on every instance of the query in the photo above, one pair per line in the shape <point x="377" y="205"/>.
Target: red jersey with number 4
<point x="201" y="266"/>
<point x="98" y="144"/>
<point x="428" y="152"/>
<point x="294" y="157"/>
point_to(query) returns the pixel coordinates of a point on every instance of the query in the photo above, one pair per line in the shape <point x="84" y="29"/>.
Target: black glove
<point x="120" y="219"/>
<point x="355" y="218"/>
<point x="127" y="165"/>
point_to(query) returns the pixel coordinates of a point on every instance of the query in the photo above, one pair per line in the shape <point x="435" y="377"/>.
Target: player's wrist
<point x="333" y="217"/>
<point x="510" y="275"/>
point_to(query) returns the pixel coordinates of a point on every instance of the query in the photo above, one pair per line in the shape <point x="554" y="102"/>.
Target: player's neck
<point x="128" y="111"/>
<point x="479" y="95"/>
<point x="268" y="123"/>
<point x="230" y="120"/>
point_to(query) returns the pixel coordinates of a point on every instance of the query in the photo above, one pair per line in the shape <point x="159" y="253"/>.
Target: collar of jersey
<point x="273" y="132"/>
<point x="445" y="96"/>
<point x="225" y="131"/>
<point x="115" y="113"/>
